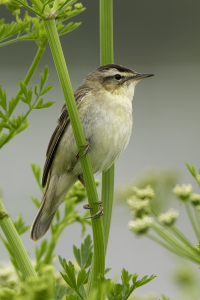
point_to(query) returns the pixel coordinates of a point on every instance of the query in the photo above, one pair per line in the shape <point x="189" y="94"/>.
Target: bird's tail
<point x="38" y="228"/>
<point x="55" y="192"/>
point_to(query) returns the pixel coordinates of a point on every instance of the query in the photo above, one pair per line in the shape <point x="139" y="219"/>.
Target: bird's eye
<point x="118" y="77"/>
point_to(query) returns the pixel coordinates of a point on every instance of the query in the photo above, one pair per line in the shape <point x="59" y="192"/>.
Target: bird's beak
<point x="143" y="75"/>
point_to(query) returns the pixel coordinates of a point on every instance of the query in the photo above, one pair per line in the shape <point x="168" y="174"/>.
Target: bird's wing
<point x="62" y="121"/>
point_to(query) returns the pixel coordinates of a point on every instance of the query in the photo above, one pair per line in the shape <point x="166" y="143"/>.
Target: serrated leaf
<point x="3" y="102"/>
<point x="71" y="297"/>
<point x="145" y="280"/>
<point x="69" y="27"/>
<point x="3" y="139"/>
<point x="77" y="255"/>
<point x="30" y="93"/>
<point x="48" y="88"/>
<point x="24" y="89"/>
<point x="20" y="225"/>
<point x="81" y="278"/>
<point x="60" y="291"/>
<point x="3" y="116"/>
<point x="126" y="277"/>
<point x="37" y="173"/>
<point x="24" y="100"/>
<point x="11" y="106"/>
<point x="35" y="89"/>
<point x="41" y="105"/>
<point x="69" y="277"/>
<point x="165" y="298"/>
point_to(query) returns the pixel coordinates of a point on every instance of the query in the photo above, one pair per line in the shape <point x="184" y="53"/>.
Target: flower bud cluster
<point x="147" y="192"/>
<point x="140" y="226"/>
<point x="139" y="205"/>
<point x="195" y="199"/>
<point x="183" y="192"/>
<point x="169" y="217"/>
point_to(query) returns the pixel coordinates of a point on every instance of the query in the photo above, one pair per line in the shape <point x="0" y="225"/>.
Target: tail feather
<point x="38" y="228"/>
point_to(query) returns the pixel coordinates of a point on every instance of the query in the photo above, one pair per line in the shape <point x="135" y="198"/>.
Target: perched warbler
<point x="104" y="103"/>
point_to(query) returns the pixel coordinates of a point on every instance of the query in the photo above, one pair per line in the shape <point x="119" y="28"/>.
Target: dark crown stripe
<point x="111" y="66"/>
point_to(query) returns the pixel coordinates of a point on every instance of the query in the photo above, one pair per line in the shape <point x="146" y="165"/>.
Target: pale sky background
<point x="156" y="36"/>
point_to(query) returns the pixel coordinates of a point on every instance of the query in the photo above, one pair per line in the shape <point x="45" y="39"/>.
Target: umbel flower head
<point x="147" y="192"/>
<point x="139" y="207"/>
<point x="169" y="217"/>
<point x="140" y="226"/>
<point x="183" y="192"/>
<point x="195" y="199"/>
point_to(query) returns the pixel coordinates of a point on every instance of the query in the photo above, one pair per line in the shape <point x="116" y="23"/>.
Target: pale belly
<point x="108" y="140"/>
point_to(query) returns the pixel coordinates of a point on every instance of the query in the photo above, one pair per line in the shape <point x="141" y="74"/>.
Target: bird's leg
<point x="87" y="149"/>
<point x="99" y="213"/>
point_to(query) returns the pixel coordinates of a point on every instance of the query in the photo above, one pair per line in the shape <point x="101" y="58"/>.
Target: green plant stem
<point x="97" y="226"/>
<point x="180" y="235"/>
<point x="107" y="199"/>
<point x="183" y="249"/>
<point x="106" y="53"/>
<point x="33" y="66"/>
<point x="163" y="244"/>
<point x="192" y="220"/>
<point x="16" y="244"/>
<point x="197" y="216"/>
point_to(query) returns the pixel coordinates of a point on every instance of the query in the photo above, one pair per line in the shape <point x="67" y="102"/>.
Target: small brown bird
<point x="104" y="103"/>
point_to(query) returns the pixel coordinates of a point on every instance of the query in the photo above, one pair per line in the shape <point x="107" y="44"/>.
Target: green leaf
<point x="41" y="105"/>
<point x="83" y="256"/>
<point x="60" y="291"/>
<point x="11" y="106"/>
<point x="23" y="99"/>
<point x="3" y="99"/>
<point x="69" y="27"/>
<point x="48" y="88"/>
<point x="3" y="116"/>
<point x="43" y="78"/>
<point x="71" y="297"/>
<point x="69" y="277"/>
<point x="20" y="225"/>
<point x="24" y="89"/>
<point x="144" y="280"/>
<point x="3" y="139"/>
<point x="191" y="169"/>
<point x="30" y="93"/>
<point x="81" y="278"/>
<point x="40" y="251"/>
<point x="165" y="298"/>
<point x="37" y="173"/>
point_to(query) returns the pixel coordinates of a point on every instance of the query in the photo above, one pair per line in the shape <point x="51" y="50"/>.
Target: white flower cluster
<point x="183" y="192"/>
<point x="147" y="192"/>
<point x="140" y="226"/>
<point x="195" y="199"/>
<point x="139" y="207"/>
<point x="169" y="217"/>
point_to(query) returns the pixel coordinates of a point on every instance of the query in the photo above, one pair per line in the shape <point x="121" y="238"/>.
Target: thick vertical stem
<point x="97" y="226"/>
<point x="16" y="244"/>
<point x="106" y="44"/>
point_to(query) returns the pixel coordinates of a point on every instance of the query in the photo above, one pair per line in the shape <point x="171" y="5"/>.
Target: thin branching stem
<point x="192" y="220"/>
<point x="106" y="50"/>
<point x="97" y="226"/>
<point x="16" y="244"/>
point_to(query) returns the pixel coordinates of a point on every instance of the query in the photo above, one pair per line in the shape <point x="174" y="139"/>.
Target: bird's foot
<point x="98" y="214"/>
<point x="87" y="149"/>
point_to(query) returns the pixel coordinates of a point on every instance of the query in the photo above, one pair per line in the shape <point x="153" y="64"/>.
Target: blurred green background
<point x="156" y="36"/>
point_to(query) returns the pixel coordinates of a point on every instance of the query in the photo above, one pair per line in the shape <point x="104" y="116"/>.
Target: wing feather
<point x="62" y="121"/>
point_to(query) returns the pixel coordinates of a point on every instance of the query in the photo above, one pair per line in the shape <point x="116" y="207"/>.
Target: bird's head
<point x="115" y="79"/>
